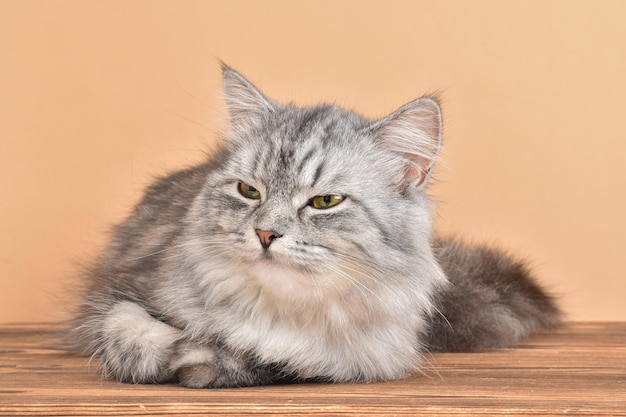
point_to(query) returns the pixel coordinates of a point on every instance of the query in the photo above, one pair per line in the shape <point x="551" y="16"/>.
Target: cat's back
<point x="157" y="219"/>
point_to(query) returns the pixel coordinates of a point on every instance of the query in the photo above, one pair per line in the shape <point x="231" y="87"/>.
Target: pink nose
<point x="267" y="237"/>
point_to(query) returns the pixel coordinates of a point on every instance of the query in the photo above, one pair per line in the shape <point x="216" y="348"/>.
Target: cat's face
<point x="319" y="191"/>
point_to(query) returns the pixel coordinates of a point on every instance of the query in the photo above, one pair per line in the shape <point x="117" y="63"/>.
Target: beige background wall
<point x="98" y="96"/>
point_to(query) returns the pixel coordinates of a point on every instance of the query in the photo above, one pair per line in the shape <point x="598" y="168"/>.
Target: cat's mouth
<point x="275" y="260"/>
<point x="275" y="274"/>
<point x="267" y="256"/>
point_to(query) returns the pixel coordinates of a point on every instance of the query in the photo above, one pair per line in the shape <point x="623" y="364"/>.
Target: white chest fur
<point x="325" y="325"/>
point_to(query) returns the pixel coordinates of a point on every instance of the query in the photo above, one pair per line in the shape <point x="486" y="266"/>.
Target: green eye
<point x="249" y="191"/>
<point x="326" y="201"/>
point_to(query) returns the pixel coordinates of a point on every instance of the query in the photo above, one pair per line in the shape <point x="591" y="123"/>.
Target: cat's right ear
<point x="413" y="134"/>
<point x="246" y="104"/>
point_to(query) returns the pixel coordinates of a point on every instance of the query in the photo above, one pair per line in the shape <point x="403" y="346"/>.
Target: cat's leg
<point x="134" y="346"/>
<point x="213" y="366"/>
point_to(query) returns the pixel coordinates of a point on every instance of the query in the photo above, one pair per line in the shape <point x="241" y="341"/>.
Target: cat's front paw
<point x="195" y="366"/>
<point x="199" y="375"/>
<point x="201" y="366"/>
<point x="134" y="346"/>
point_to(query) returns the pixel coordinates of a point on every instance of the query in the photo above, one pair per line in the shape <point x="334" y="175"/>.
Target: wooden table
<point x="578" y="370"/>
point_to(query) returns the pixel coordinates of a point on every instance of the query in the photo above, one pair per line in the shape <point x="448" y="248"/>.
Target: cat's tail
<point x="492" y="300"/>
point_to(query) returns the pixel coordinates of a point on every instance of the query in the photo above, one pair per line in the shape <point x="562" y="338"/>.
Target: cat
<point x="301" y="250"/>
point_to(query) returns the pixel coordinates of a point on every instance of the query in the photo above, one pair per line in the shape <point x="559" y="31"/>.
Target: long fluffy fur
<point x="187" y="292"/>
<point x="492" y="300"/>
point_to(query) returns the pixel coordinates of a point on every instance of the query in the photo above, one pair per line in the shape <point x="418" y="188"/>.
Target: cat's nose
<point x="267" y="237"/>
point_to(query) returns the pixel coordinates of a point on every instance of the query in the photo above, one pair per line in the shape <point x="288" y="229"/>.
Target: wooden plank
<point x="578" y="370"/>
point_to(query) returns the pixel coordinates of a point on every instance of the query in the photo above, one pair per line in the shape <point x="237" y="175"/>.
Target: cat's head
<point x="320" y="190"/>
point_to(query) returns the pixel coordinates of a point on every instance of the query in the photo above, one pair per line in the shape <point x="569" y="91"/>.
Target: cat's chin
<point x="273" y="259"/>
<point x="279" y="277"/>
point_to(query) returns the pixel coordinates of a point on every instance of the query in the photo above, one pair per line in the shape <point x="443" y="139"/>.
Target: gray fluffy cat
<point x="300" y="251"/>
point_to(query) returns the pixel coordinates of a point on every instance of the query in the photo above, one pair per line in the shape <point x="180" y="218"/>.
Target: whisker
<point x="207" y="245"/>
<point x="374" y="273"/>
<point x="186" y="118"/>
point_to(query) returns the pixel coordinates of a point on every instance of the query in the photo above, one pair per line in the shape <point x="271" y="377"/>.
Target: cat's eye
<point x="249" y="191"/>
<point x="326" y="201"/>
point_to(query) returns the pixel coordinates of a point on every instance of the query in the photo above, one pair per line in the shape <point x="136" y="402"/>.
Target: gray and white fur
<point x="301" y="250"/>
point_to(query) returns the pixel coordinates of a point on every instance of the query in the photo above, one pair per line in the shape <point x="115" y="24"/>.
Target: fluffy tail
<point x="492" y="301"/>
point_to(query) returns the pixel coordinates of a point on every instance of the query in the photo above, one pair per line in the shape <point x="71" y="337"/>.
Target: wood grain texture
<point x="579" y="369"/>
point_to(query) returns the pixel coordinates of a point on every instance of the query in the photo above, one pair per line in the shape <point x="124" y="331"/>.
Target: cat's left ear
<point x="246" y="103"/>
<point x="413" y="134"/>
